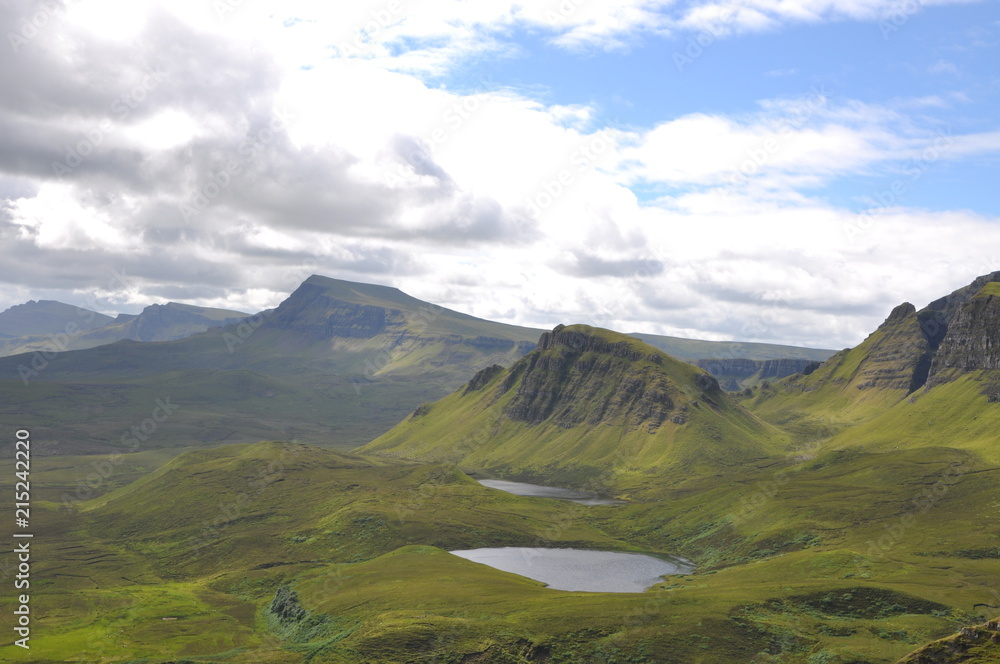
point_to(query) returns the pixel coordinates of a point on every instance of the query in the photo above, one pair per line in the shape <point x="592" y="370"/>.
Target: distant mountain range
<point x="337" y="363"/>
<point x="47" y="325"/>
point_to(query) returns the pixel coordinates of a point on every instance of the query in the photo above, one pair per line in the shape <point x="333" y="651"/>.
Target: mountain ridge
<point x="582" y="401"/>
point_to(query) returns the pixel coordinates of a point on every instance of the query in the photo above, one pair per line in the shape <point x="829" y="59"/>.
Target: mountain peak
<point x="901" y="311"/>
<point x="584" y="338"/>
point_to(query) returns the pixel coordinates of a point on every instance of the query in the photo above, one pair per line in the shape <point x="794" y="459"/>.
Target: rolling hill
<point x="585" y="401"/>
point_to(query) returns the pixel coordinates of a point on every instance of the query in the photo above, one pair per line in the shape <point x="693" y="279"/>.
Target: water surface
<point x="578" y="569"/>
<point x="540" y="491"/>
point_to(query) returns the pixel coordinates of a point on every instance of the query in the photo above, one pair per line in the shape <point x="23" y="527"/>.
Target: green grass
<point x="362" y="542"/>
<point x="703" y="427"/>
<point x="990" y="289"/>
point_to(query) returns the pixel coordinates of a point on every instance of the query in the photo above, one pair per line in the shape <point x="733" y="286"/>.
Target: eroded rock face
<point x="582" y="379"/>
<point x="739" y="368"/>
<point x="972" y="341"/>
<point x="480" y="380"/>
<point x="957" y="333"/>
<point x="901" y="356"/>
<point x="314" y="314"/>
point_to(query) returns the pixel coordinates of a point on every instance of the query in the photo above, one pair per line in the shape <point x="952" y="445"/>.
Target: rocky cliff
<point x="738" y="373"/>
<point x="972" y="337"/>
<point x="586" y="403"/>
<point x="912" y="349"/>
<point x="577" y="377"/>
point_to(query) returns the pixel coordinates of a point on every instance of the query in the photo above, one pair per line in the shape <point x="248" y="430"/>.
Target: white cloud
<point x="486" y="200"/>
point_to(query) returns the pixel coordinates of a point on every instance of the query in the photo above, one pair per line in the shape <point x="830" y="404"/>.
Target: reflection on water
<point x="539" y="491"/>
<point x="577" y="569"/>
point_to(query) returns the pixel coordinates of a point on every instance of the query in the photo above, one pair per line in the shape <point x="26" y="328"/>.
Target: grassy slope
<point x="827" y="400"/>
<point x="210" y="536"/>
<point x="471" y="429"/>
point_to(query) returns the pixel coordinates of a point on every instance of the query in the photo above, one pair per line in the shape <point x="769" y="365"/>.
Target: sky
<point x="781" y="171"/>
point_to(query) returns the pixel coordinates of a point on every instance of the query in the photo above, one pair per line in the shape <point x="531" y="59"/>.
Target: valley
<point x="842" y="516"/>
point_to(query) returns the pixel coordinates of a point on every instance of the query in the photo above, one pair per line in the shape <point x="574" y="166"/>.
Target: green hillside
<point x="588" y="406"/>
<point x="337" y="363"/>
<point x="847" y="516"/>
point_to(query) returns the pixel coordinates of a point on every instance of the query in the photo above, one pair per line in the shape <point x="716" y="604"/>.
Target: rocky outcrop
<point x="581" y="378"/>
<point x="899" y="355"/>
<point x="979" y="643"/>
<point x="166" y="322"/>
<point x="482" y="378"/>
<point x="972" y="340"/>
<point x="312" y="313"/>
<point x="914" y="349"/>
<point x="582" y="342"/>
<point x="491" y="343"/>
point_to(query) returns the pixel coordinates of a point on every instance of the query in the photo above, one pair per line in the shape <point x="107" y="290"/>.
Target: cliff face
<point x="972" y="339"/>
<point x="312" y="312"/>
<point x="577" y="378"/>
<point x="979" y="643"/>
<point x="736" y="373"/>
<point x="899" y="356"/>
<point x="914" y="349"/>
<point x="166" y="322"/>
<point x="587" y="403"/>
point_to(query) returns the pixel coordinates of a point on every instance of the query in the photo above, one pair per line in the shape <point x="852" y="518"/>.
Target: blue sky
<point x="760" y="170"/>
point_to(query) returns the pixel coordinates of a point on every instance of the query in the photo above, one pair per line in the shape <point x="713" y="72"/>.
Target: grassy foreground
<point x="276" y="552"/>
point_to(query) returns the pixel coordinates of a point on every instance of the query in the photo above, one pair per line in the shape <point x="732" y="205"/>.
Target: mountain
<point x="940" y="364"/>
<point x="841" y="517"/>
<point x="697" y="349"/>
<point x="156" y="323"/>
<point x="48" y="317"/>
<point x="738" y="373"/>
<point x="336" y="363"/>
<point x="585" y="400"/>
<point x="164" y="322"/>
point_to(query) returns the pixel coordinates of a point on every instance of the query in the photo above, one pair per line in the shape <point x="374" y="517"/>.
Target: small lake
<point x="539" y="491"/>
<point x="579" y="569"/>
